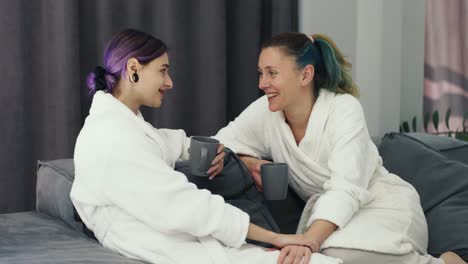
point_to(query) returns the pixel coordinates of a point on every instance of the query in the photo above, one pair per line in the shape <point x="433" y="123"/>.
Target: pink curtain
<point x="446" y="63"/>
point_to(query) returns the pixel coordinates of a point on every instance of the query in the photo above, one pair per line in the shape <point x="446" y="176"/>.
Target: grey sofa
<point x="51" y="233"/>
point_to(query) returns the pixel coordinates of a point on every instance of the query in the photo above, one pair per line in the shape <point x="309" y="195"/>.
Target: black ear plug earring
<point x="135" y="77"/>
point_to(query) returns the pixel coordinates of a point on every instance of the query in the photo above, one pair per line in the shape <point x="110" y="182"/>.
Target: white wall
<point x="412" y="77"/>
<point x="316" y="17"/>
<point x="383" y="41"/>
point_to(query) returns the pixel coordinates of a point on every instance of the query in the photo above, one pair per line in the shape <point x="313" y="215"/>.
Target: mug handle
<point x="204" y="154"/>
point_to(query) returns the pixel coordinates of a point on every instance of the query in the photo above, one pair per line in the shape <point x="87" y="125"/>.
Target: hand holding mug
<point x="254" y="167"/>
<point x="217" y="164"/>
<point x="206" y="156"/>
<point x="275" y="177"/>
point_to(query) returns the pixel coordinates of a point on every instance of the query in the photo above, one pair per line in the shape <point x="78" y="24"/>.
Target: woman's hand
<point x="296" y="249"/>
<point x="254" y="165"/>
<point x="258" y="233"/>
<point x="283" y="240"/>
<point x="293" y="254"/>
<point x="218" y="163"/>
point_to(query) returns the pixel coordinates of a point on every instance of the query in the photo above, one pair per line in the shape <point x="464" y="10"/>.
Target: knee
<point x="335" y="252"/>
<point x="349" y="256"/>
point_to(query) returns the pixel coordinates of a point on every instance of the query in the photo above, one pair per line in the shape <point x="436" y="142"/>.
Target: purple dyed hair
<point x="127" y="44"/>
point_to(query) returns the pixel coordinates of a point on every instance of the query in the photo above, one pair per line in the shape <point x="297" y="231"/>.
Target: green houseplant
<point x="459" y="133"/>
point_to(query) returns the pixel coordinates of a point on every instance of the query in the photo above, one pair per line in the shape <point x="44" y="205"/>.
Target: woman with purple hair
<point x="126" y="189"/>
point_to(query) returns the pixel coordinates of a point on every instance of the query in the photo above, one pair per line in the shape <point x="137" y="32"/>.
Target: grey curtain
<point x="49" y="46"/>
<point x="446" y="65"/>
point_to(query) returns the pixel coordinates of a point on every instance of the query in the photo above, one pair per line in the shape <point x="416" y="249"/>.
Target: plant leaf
<point x="414" y="124"/>
<point x="435" y="120"/>
<point x="447" y="118"/>
<point x="427" y="117"/>
<point x="462" y="136"/>
<point x="405" y="127"/>
<point x="465" y="116"/>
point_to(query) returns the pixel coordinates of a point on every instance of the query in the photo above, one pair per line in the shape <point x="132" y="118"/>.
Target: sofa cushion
<point x="442" y="185"/>
<point x="54" y="182"/>
<point x="453" y="148"/>
<point x="457" y="153"/>
<point x="33" y="237"/>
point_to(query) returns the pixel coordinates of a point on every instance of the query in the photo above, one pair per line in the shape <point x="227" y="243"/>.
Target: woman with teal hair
<point x="310" y="119"/>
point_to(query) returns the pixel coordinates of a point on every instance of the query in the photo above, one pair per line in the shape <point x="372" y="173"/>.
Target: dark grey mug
<point x="275" y="180"/>
<point x="202" y="152"/>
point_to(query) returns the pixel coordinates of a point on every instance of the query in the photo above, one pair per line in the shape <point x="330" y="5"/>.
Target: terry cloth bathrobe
<point x="337" y="169"/>
<point x="127" y="192"/>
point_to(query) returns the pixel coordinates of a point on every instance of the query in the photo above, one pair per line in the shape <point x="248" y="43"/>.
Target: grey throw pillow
<point x="236" y="186"/>
<point x="54" y="182"/>
<point x="457" y="153"/>
<point x="453" y="148"/>
<point x="442" y="185"/>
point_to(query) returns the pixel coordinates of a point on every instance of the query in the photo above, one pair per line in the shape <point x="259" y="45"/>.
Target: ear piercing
<point x="135" y="77"/>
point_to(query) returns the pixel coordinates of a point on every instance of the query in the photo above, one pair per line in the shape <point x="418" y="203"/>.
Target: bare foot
<point x="452" y="258"/>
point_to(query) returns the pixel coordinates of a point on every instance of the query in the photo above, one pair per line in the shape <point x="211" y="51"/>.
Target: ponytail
<point x="335" y="75"/>
<point x="100" y="79"/>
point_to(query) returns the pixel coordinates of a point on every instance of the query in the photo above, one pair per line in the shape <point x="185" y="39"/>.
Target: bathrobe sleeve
<point x="138" y="181"/>
<point x="246" y="134"/>
<point x="180" y="143"/>
<point x="352" y="162"/>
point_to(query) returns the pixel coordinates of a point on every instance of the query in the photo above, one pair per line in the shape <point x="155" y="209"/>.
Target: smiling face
<point x="154" y="81"/>
<point x="279" y="78"/>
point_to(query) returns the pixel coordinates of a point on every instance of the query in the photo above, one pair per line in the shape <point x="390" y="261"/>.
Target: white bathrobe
<point x="128" y="193"/>
<point x="337" y="169"/>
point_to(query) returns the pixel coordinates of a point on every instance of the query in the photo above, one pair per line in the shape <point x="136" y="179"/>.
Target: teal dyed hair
<point x="332" y="70"/>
